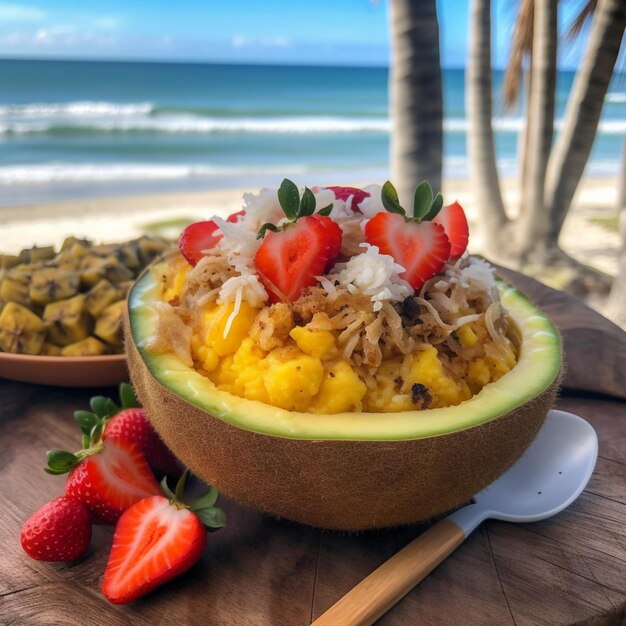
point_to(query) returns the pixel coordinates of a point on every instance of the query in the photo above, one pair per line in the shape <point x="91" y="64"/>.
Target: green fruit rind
<point x="537" y="370"/>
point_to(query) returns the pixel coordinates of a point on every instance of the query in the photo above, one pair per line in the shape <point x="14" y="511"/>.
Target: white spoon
<point x="547" y="478"/>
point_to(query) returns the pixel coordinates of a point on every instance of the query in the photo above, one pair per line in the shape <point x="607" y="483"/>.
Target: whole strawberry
<point x="130" y="423"/>
<point x="59" y="531"/>
<point x="157" y="539"/>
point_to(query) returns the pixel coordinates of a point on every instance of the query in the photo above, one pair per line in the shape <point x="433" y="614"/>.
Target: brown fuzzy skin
<point x="341" y="485"/>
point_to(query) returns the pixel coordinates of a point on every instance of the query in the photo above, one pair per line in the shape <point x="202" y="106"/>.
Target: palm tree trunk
<point x="574" y="144"/>
<point x="415" y="96"/>
<point x="533" y="226"/>
<point x="481" y="150"/>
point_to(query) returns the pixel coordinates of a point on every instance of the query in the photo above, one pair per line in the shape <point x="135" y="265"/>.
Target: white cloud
<point x="107" y="22"/>
<point x="20" y="13"/>
<point x="242" y="41"/>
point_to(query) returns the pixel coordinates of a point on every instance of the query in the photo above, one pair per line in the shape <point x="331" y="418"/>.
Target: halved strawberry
<point x="157" y="539"/>
<point x="454" y="222"/>
<point x="422" y="248"/>
<point x="133" y="425"/>
<point x="108" y="478"/>
<point x="59" y="531"/>
<point x="343" y="193"/>
<point x="201" y="236"/>
<point x="334" y="237"/>
<point x="289" y="260"/>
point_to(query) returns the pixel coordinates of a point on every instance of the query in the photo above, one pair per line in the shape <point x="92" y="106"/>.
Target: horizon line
<point x="269" y="63"/>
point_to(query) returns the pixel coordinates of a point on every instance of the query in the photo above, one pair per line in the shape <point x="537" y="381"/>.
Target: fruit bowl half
<point x="83" y="371"/>
<point x="347" y="471"/>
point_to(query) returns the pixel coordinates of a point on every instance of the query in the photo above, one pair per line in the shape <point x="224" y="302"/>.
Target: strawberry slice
<point x="157" y="539"/>
<point x="421" y="248"/>
<point x="109" y="478"/>
<point x="289" y="260"/>
<point x="154" y="542"/>
<point x="201" y="236"/>
<point x="454" y="222"/>
<point x="133" y="425"/>
<point x="343" y="193"/>
<point x="59" y="531"/>
<point x="335" y="234"/>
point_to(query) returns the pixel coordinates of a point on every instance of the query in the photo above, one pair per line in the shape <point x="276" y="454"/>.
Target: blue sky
<point x="345" y="32"/>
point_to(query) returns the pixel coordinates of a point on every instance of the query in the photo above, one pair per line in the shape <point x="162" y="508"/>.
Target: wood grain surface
<point x="570" y="569"/>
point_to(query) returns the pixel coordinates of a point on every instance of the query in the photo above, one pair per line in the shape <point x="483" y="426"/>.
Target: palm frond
<point x="521" y="48"/>
<point x="577" y="25"/>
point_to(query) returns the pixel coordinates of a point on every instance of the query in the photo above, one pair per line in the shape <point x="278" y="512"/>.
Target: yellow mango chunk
<point x="248" y="363"/>
<point x="478" y="374"/>
<point x="176" y="282"/>
<point x="341" y="390"/>
<point x="317" y="343"/>
<point x="467" y="336"/>
<point x="292" y="378"/>
<point x="425" y="368"/>
<point x="216" y="320"/>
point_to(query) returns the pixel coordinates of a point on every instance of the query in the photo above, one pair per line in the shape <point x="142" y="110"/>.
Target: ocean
<point x="81" y="129"/>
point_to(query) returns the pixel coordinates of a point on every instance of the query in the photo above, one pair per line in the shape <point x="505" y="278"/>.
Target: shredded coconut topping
<point x="373" y="204"/>
<point x="261" y="208"/>
<point x="371" y="274"/>
<point x="239" y="243"/>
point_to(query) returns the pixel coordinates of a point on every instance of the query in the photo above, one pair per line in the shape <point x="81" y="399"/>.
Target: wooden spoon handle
<point x="377" y="593"/>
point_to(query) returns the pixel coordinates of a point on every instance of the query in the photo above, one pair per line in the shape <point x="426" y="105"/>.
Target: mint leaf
<point x="307" y="204"/>
<point x="422" y="200"/>
<point x="434" y="208"/>
<point x="289" y="198"/>
<point x="389" y="197"/>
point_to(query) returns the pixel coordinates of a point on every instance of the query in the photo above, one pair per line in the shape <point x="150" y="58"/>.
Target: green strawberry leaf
<point x="206" y="500"/>
<point x="289" y="198"/>
<point x="307" y="204"/>
<point x="212" y="517"/>
<point x="86" y="420"/>
<point x="128" y="397"/>
<point x="422" y="200"/>
<point x="389" y="197"/>
<point x="60" y="461"/>
<point x="85" y="441"/>
<point x="265" y="228"/>
<point x="326" y="210"/>
<point x="96" y="432"/>
<point x="103" y="407"/>
<point x="166" y="490"/>
<point x="434" y="208"/>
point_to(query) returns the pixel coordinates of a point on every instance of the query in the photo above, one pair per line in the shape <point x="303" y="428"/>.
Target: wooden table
<point x="261" y="571"/>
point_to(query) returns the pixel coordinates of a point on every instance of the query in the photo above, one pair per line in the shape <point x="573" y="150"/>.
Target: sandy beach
<point x="587" y="235"/>
<point x="590" y="234"/>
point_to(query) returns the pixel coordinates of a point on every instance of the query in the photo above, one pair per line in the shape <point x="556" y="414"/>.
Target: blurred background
<point x="162" y="112"/>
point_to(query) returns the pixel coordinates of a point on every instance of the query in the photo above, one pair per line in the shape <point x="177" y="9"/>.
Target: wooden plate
<point x="82" y="371"/>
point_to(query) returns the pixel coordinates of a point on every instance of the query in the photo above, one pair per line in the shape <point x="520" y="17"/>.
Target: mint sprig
<point x="294" y="206"/>
<point x="425" y="206"/>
